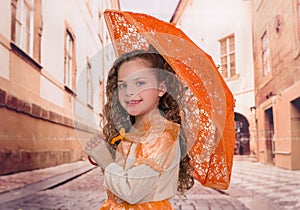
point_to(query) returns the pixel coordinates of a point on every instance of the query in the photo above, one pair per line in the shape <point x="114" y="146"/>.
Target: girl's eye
<point x="140" y="83"/>
<point x="121" y="86"/>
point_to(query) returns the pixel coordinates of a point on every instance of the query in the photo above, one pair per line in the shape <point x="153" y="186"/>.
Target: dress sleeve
<point x="131" y="185"/>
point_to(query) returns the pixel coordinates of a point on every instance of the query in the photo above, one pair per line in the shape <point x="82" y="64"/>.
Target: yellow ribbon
<point x="119" y="137"/>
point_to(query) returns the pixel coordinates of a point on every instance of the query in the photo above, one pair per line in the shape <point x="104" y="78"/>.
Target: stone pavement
<point x="262" y="186"/>
<point x="253" y="186"/>
<point x="23" y="179"/>
<point x="202" y="198"/>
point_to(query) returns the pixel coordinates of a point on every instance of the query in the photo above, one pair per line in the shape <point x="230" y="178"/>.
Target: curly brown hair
<point x="116" y="117"/>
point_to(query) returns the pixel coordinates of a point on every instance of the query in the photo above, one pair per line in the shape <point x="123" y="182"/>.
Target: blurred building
<point x="223" y="29"/>
<point x="51" y="79"/>
<point x="256" y="44"/>
<point x="276" y="36"/>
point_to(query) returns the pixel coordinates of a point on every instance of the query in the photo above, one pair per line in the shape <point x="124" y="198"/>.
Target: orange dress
<point x="145" y="172"/>
<point x="110" y="204"/>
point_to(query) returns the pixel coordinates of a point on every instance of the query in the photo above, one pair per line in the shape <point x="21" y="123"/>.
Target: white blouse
<point x="142" y="183"/>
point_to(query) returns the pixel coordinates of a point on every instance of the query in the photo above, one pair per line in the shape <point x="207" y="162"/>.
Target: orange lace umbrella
<point x="208" y="103"/>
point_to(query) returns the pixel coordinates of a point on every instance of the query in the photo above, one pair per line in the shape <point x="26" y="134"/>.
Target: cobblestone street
<point x="84" y="192"/>
<point x="264" y="186"/>
<point x="253" y="186"/>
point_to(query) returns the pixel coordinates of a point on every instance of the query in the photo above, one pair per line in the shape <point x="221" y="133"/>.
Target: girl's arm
<point x="132" y="185"/>
<point x="141" y="182"/>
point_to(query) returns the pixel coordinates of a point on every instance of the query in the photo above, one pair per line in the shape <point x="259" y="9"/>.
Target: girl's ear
<point x="162" y="89"/>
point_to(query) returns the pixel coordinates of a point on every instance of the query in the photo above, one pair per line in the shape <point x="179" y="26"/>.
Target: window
<point x="89" y="81"/>
<point x="100" y="26"/>
<point x="24" y="25"/>
<point x="265" y="54"/>
<point x="228" y="66"/>
<point x="70" y="60"/>
<point x="26" y="28"/>
<point x="90" y="6"/>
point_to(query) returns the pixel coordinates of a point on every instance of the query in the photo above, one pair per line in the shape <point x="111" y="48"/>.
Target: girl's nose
<point x="130" y="90"/>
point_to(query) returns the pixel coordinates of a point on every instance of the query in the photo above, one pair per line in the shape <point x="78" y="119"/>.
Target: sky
<point x="162" y="9"/>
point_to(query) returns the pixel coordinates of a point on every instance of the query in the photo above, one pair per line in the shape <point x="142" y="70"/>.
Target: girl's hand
<point x="94" y="142"/>
<point x="98" y="149"/>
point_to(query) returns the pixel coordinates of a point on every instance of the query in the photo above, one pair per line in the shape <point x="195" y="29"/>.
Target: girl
<point x="148" y="161"/>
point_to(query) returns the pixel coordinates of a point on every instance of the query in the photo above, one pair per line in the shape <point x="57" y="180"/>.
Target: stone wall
<point x="33" y="137"/>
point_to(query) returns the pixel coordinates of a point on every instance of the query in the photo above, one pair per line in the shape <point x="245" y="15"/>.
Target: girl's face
<point x="138" y="88"/>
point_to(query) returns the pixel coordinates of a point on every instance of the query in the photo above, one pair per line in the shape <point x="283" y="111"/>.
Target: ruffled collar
<point x="155" y="123"/>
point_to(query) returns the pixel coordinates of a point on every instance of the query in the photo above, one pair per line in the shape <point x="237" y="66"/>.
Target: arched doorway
<point x="242" y="145"/>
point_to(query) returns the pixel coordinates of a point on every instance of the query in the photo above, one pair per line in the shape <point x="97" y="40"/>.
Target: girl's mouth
<point x="133" y="102"/>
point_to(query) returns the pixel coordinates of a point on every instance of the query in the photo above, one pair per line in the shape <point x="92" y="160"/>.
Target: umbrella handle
<point x="92" y="161"/>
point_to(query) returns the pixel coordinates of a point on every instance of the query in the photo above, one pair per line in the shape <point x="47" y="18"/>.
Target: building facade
<point x="276" y="35"/>
<point x="51" y="79"/>
<point x="223" y="29"/>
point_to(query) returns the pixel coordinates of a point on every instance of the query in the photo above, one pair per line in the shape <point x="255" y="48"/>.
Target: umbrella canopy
<point x="208" y="103"/>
